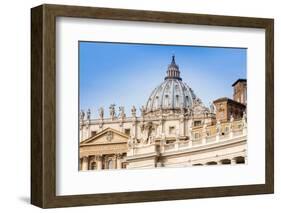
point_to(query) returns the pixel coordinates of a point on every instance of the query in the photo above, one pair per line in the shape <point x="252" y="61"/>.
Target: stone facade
<point x="225" y="108"/>
<point x="174" y="129"/>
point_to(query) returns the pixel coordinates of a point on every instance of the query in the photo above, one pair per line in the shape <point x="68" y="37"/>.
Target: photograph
<point x="145" y="106"/>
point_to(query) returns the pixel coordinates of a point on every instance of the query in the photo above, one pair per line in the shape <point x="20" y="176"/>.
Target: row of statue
<point x="112" y="112"/>
<point x="122" y="115"/>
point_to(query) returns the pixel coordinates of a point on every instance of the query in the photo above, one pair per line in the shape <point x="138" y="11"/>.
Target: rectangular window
<point x="171" y="130"/>
<point x="124" y="165"/>
<point x="127" y="132"/>
<point x="197" y="123"/>
<point x="197" y="135"/>
<point x="93" y="133"/>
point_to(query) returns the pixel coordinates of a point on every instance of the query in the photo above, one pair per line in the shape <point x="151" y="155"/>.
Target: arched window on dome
<point x="166" y="100"/>
<point x="177" y="101"/>
<point x="167" y="87"/>
<point x="156" y="104"/>
<point x="187" y="100"/>
<point x="177" y="88"/>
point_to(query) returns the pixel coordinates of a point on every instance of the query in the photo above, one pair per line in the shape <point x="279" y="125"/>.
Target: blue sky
<point x="126" y="74"/>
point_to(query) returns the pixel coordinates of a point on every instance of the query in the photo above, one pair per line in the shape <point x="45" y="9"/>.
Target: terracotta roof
<point x="228" y="100"/>
<point x="239" y="80"/>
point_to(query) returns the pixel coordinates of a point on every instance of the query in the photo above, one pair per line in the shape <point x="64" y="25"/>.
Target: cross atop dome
<point x="173" y="59"/>
<point x="173" y="71"/>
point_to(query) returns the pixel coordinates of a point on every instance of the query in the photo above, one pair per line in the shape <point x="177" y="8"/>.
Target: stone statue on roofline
<point x="218" y="127"/>
<point x="88" y="114"/>
<point x="122" y="114"/>
<point x="134" y="111"/>
<point x="82" y="115"/>
<point x="112" y="111"/>
<point x="142" y="109"/>
<point x="101" y="113"/>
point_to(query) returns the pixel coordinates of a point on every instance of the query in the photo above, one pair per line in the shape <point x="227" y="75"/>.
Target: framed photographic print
<point x="136" y="106"/>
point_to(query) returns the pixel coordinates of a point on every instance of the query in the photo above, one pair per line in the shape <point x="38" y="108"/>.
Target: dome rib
<point x="173" y="94"/>
<point x="163" y="92"/>
<point x="183" y="96"/>
<point x="149" y="100"/>
<point x="155" y="94"/>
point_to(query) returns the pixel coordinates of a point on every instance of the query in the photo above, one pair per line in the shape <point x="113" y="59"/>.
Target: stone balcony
<point x="203" y="141"/>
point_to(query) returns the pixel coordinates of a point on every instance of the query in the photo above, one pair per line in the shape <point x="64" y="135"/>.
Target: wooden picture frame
<point x="43" y="105"/>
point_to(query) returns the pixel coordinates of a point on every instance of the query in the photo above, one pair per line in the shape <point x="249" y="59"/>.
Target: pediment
<point x="107" y="136"/>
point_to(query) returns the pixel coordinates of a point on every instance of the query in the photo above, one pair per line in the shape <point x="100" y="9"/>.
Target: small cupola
<point x="173" y="71"/>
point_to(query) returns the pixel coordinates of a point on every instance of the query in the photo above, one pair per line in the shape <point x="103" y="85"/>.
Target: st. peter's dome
<point x="172" y="94"/>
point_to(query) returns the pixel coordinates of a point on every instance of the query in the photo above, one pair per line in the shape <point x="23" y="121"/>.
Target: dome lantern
<point x="173" y="71"/>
